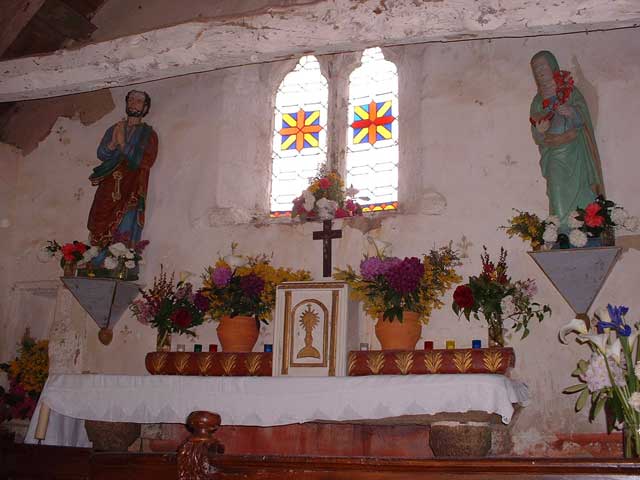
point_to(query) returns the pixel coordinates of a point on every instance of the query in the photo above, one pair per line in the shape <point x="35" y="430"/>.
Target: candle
<point x="364" y="346"/>
<point x="197" y="347"/>
<point x="43" y="422"/>
<point x="180" y="347"/>
<point x="268" y="347"/>
<point x="428" y="345"/>
<point x="451" y="344"/>
<point x="213" y="347"/>
<point x="476" y="343"/>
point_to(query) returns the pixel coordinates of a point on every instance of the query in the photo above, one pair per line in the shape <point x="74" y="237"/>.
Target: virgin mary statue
<point x="561" y="127"/>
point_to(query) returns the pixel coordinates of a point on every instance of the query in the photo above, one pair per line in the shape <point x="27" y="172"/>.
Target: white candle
<point x="43" y="422"/>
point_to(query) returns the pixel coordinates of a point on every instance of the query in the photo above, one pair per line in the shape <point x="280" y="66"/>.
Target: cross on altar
<point x="326" y="235"/>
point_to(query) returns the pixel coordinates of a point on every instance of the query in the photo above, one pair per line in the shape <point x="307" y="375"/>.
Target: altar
<point x="264" y="401"/>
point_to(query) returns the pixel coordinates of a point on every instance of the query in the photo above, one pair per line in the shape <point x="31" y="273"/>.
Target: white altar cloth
<point x="264" y="401"/>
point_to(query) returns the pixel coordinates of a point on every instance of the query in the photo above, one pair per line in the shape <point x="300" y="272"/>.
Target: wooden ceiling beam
<point x="320" y="27"/>
<point x="14" y="16"/>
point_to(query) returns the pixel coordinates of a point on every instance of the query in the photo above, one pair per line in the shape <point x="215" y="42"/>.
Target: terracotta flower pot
<point x="238" y="334"/>
<point x="399" y="335"/>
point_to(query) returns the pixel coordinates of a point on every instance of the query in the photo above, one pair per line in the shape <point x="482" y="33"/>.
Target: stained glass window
<point x="299" y="139"/>
<point x="372" y="145"/>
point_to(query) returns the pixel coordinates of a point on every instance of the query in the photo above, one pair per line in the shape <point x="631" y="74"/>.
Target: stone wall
<point x="466" y="159"/>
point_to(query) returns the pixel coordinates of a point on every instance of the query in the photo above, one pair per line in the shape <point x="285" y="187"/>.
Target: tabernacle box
<point x="315" y="327"/>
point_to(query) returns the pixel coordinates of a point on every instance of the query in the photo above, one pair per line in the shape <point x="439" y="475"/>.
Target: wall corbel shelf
<point x="578" y="273"/>
<point x="104" y="299"/>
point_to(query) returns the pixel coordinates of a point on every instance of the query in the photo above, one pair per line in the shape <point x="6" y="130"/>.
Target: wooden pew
<point x="202" y="457"/>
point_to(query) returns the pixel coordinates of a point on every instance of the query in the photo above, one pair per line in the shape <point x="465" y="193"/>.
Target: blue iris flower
<point x="617" y="320"/>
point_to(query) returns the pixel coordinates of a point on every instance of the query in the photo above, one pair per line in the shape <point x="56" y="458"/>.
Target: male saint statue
<point x="127" y="152"/>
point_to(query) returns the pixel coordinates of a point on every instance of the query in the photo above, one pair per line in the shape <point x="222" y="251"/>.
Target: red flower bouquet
<point x="495" y="296"/>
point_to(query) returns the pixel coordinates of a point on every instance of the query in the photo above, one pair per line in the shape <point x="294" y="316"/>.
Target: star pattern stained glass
<point x="300" y="130"/>
<point x="299" y="136"/>
<point x="372" y="148"/>
<point x="372" y="122"/>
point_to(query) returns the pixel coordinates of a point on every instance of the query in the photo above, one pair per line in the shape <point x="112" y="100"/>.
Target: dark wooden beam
<point x="341" y="468"/>
<point x="67" y="21"/>
<point x="14" y="17"/>
<point x="45" y="463"/>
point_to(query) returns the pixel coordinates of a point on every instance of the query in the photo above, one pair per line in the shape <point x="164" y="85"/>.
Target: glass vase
<point x="496" y="334"/>
<point x="608" y="237"/>
<point x="163" y="341"/>
<point x="69" y="269"/>
<point x="631" y="440"/>
<point x="121" y="270"/>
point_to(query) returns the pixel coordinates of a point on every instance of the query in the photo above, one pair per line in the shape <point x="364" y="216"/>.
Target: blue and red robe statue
<point x="122" y="179"/>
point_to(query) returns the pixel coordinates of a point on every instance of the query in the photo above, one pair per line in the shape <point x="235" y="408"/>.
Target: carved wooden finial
<point x="193" y="454"/>
<point x="203" y="424"/>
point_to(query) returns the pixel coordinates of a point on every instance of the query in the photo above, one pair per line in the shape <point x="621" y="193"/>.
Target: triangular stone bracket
<point x="578" y="273"/>
<point x="104" y="299"/>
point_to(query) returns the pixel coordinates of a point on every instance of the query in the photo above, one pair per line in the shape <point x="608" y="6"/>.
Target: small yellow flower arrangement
<point x="27" y="373"/>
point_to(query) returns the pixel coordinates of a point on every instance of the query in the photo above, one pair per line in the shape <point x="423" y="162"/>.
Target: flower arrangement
<point x="27" y="375"/>
<point x="497" y="298"/>
<point x="121" y="258"/>
<point x="245" y="286"/>
<point x="595" y="220"/>
<point x="528" y="227"/>
<point x="388" y="286"/>
<point x="116" y="258"/>
<point x="611" y="376"/>
<point x="326" y="199"/>
<point x="69" y="253"/>
<point x="170" y="307"/>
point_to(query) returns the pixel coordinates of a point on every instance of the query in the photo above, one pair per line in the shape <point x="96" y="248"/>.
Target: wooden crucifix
<point x="326" y="235"/>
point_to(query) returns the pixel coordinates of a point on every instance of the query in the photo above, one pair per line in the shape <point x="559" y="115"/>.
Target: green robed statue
<point x="561" y="127"/>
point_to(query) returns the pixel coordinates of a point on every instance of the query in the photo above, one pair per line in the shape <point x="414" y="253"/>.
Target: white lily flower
<point x="575" y="325"/>
<point x="636" y="369"/>
<point x="130" y="264"/>
<point x="634" y="401"/>
<point x="614" y="350"/>
<point x="235" y="261"/>
<point x="603" y="315"/>
<point x="599" y="340"/>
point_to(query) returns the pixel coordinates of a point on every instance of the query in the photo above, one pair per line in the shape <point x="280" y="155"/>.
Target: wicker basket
<point x="112" y="436"/>
<point x="451" y="439"/>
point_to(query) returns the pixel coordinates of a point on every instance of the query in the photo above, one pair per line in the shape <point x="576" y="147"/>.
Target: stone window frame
<point x="337" y="69"/>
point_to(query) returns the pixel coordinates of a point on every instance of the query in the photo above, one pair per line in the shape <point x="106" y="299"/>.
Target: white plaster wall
<point x="466" y="158"/>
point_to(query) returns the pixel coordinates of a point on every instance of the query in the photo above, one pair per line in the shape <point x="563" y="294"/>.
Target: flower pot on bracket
<point x="398" y="335"/>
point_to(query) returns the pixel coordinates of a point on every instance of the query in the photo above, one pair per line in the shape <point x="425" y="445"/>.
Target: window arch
<point x="299" y="138"/>
<point x="372" y="137"/>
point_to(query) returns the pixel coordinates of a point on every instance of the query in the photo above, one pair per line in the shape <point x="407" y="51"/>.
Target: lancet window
<point x="372" y="138"/>
<point x="300" y="137"/>
<point x="301" y="132"/>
